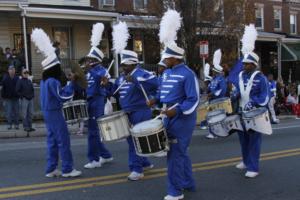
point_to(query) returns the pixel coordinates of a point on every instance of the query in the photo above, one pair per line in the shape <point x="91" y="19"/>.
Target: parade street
<point x="23" y="163"/>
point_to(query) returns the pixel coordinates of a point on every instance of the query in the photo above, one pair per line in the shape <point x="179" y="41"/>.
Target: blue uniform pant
<point x="95" y="147"/>
<point x="180" y="176"/>
<point x="250" y="145"/>
<point x="135" y="162"/>
<point x="58" y="142"/>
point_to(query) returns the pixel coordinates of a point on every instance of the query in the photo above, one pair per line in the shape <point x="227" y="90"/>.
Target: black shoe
<point x="9" y="127"/>
<point x="31" y="130"/>
<point x="17" y="127"/>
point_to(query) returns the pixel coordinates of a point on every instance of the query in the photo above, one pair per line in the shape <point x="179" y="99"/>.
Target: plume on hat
<point x="42" y="42"/>
<point x="97" y="33"/>
<point x="120" y="36"/>
<point x="206" y="70"/>
<point x="217" y="57"/>
<point x="249" y="38"/>
<point x="169" y="26"/>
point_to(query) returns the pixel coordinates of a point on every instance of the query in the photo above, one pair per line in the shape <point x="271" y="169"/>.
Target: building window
<point x="277" y="19"/>
<point x="140" y="4"/>
<point x="259" y="14"/>
<point x="108" y="2"/>
<point x="293" y="24"/>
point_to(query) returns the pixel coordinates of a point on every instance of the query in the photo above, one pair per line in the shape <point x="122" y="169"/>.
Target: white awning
<point x="269" y="37"/>
<point x="146" y="22"/>
<point x="58" y="13"/>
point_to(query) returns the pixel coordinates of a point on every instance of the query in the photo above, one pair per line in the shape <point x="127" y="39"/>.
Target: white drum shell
<point x="114" y="127"/>
<point x="260" y="123"/>
<point x="233" y="122"/>
<point x="72" y="104"/>
<point x="216" y="123"/>
<point x="146" y="129"/>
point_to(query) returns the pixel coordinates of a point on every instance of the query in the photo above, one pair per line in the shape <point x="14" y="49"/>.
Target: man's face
<point x="169" y="62"/>
<point x="11" y="71"/>
<point x="127" y="68"/>
<point x="270" y="77"/>
<point x="249" y="67"/>
<point x="25" y="73"/>
<point x="7" y="50"/>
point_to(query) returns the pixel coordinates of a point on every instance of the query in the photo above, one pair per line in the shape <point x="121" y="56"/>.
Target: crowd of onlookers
<point x="17" y="90"/>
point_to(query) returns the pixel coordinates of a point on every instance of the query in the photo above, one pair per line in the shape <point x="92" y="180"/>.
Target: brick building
<point x="278" y="25"/>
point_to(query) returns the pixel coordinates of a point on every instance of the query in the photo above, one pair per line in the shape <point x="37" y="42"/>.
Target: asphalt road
<point x="22" y="164"/>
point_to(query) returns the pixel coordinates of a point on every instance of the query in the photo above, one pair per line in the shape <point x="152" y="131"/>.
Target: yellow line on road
<point x="120" y="178"/>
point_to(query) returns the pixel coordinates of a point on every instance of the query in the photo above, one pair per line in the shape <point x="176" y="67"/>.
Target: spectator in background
<point x="291" y="99"/>
<point x="7" y="53"/>
<point x="10" y="97"/>
<point x="272" y="90"/>
<point x="25" y="91"/>
<point x="298" y="92"/>
<point x="3" y="63"/>
<point x="15" y="61"/>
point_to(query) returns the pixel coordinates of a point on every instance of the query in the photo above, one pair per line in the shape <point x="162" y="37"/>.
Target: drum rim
<point x="244" y="114"/>
<point x="219" y="100"/>
<point x="112" y="116"/>
<point x="75" y="102"/>
<point x="146" y="133"/>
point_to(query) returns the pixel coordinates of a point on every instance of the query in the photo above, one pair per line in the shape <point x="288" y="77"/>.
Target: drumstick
<point x="160" y="115"/>
<point x="112" y="62"/>
<point x="119" y="87"/>
<point x="122" y="83"/>
<point x="144" y="92"/>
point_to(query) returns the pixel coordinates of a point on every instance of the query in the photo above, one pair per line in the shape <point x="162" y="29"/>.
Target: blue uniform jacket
<point x="272" y="87"/>
<point x="218" y="87"/>
<point x="180" y="85"/>
<point x="52" y="95"/>
<point x="259" y="94"/>
<point x="93" y="77"/>
<point x="131" y="97"/>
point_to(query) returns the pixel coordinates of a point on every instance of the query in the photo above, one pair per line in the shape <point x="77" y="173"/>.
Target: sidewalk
<point x="39" y="132"/>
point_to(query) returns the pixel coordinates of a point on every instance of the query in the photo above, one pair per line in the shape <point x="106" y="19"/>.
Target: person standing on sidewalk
<point x="272" y="87"/>
<point x="25" y="90"/>
<point x="10" y="97"/>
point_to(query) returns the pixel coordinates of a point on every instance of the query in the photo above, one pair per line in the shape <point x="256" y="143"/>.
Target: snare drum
<point x="221" y="103"/>
<point x="258" y="120"/>
<point x="150" y="138"/>
<point x="114" y="126"/>
<point x="216" y="122"/>
<point x="233" y="124"/>
<point x="75" y="111"/>
<point x="202" y="112"/>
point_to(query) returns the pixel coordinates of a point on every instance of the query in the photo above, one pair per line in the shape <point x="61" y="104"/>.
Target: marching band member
<point x="96" y="94"/>
<point x="272" y="87"/>
<point x="52" y="98"/>
<point x="218" y="86"/>
<point x="179" y="85"/>
<point x="129" y="89"/>
<point x="132" y="101"/>
<point x="258" y="96"/>
<point x="253" y="92"/>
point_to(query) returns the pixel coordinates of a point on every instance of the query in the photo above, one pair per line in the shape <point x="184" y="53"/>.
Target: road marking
<point x="120" y="178"/>
<point x="285" y="127"/>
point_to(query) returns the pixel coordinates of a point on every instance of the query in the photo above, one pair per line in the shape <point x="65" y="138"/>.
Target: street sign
<point x="203" y="49"/>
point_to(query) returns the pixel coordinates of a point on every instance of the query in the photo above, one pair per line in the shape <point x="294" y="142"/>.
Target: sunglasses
<point x="26" y="72"/>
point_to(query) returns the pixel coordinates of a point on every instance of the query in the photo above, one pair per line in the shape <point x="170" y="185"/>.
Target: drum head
<point x="215" y="112"/>
<point x="218" y="100"/>
<point x="147" y="126"/>
<point x="232" y="118"/>
<point x="216" y="118"/>
<point x="111" y="116"/>
<point x="254" y="113"/>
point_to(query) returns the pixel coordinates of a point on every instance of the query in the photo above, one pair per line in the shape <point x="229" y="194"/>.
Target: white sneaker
<point x="169" y="197"/>
<point x="92" y="165"/>
<point x="134" y="176"/>
<point x="210" y="136"/>
<point x="203" y="127"/>
<point x="241" y="165"/>
<point x="251" y="174"/>
<point x="54" y="173"/>
<point x="148" y="167"/>
<point x="105" y="160"/>
<point x="162" y="154"/>
<point x="73" y="173"/>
